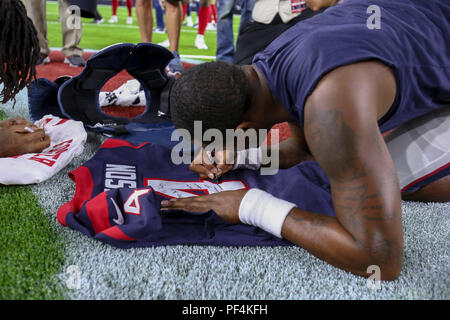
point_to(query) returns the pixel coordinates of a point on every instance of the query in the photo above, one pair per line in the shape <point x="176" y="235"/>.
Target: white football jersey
<point x="67" y="139"/>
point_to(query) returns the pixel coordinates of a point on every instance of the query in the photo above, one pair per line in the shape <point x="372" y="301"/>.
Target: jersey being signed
<point x="119" y="191"/>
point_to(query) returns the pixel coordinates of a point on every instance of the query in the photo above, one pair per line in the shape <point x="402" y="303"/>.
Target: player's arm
<point x="293" y="150"/>
<point x="342" y="133"/>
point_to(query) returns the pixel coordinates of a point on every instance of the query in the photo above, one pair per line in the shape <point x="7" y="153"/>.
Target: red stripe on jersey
<point x="62" y="121"/>
<point x="84" y="185"/>
<point x="425" y="177"/>
<point x="115" y="143"/>
<point x="46" y="121"/>
<point x="116" y="233"/>
<point x="97" y="210"/>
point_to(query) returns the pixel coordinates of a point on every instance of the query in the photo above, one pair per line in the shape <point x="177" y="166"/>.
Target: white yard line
<point x="188" y="57"/>
<point x="110" y="25"/>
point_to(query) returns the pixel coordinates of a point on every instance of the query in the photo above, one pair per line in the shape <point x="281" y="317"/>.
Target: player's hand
<point x="209" y="165"/>
<point x="16" y="138"/>
<point x="225" y="204"/>
<point x="17" y="121"/>
<point x="319" y="4"/>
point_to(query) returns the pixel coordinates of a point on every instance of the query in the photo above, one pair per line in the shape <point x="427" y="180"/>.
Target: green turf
<point x="31" y="255"/>
<point x="99" y="36"/>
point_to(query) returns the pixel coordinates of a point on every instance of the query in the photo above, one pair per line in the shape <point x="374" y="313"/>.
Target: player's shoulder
<point x="365" y="87"/>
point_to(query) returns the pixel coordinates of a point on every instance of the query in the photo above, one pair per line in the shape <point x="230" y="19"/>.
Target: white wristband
<point x="263" y="210"/>
<point x="248" y="159"/>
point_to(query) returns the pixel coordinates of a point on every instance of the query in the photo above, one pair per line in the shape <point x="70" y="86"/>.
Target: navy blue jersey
<point x="119" y="191"/>
<point x="414" y="40"/>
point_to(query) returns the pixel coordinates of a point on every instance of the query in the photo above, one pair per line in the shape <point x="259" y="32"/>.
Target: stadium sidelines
<point x="184" y="57"/>
<point x="103" y="25"/>
<point x="98" y="36"/>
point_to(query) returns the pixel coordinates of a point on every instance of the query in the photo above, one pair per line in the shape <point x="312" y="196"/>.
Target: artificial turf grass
<point x="99" y="36"/>
<point x="31" y="254"/>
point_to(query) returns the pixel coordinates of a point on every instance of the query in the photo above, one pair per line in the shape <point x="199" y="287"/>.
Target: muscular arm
<point x="342" y="133"/>
<point x="294" y="149"/>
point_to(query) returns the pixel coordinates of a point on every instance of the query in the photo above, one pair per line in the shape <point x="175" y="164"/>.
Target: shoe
<point x="200" y="42"/>
<point x="113" y="19"/>
<point x="175" y="67"/>
<point x="43" y="59"/>
<point x="128" y="94"/>
<point x="75" y="60"/>
<point x="98" y="21"/>
<point x="211" y="26"/>
<point x="189" y="22"/>
<point x="130" y="20"/>
<point x="164" y="43"/>
<point x="158" y="30"/>
<point x="195" y="25"/>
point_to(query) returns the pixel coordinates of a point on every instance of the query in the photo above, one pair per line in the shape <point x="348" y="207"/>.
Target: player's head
<point x="19" y="49"/>
<point x="217" y="93"/>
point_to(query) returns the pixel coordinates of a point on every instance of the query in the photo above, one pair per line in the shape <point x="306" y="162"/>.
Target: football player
<point x="341" y="78"/>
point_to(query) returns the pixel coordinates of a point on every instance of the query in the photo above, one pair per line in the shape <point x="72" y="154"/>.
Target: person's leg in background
<point x="197" y="8"/>
<point x="225" y="37"/>
<point x="98" y="17"/>
<point x="185" y="6"/>
<point x="130" y="11"/>
<point x="203" y="15"/>
<point x="159" y="17"/>
<point x="187" y="12"/>
<point x="213" y="12"/>
<point x="71" y="36"/>
<point x="209" y="15"/>
<point x="114" y="4"/>
<point x="174" y="15"/>
<point x="246" y="11"/>
<point x="144" y="14"/>
<point x="36" y="11"/>
<point x="212" y="17"/>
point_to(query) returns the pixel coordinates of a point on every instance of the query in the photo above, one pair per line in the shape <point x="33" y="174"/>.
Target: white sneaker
<point x="200" y="42"/>
<point x="189" y="22"/>
<point x="113" y="19"/>
<point x="130" y="20"/>
<point x="158" y="30"/>
<point x="165" y="43"/>
<point x="211" y="26"/>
